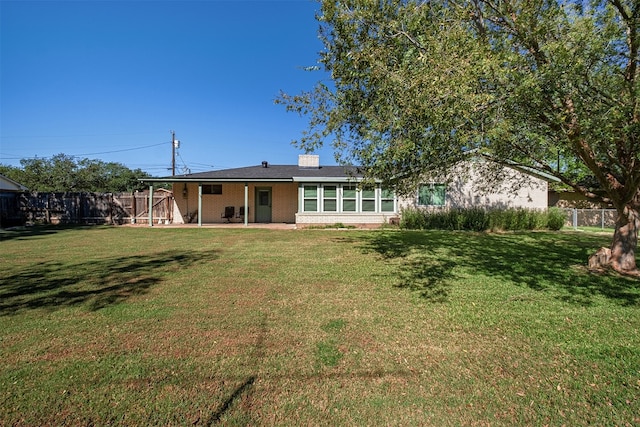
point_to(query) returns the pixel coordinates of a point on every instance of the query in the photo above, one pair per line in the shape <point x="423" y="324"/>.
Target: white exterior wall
<point x="517" y="190"/>
<point x="344" y="218"/>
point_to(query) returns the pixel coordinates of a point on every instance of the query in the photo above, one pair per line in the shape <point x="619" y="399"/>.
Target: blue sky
<point x="109" y="80"/>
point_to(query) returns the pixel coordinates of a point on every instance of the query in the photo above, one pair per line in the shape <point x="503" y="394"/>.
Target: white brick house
<point x="311" y="194"/>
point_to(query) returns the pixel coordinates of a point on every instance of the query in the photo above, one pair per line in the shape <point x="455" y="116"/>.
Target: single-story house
<point x="311" y="194"/>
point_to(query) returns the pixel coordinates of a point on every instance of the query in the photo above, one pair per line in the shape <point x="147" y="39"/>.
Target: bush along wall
<point x="478" y="219"/>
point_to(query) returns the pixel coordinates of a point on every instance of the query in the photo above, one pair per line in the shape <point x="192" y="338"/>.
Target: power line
<point x="121" y="151"/>
<point x="72" y="135"/>
<point x="2" y="155"/>
<point x="185" y="168"/>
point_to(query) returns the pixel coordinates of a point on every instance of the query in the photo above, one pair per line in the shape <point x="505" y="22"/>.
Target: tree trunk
<point x="625" y="240"/>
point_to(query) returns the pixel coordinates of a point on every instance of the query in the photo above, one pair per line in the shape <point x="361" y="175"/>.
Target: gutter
<point x="217" y="180"/>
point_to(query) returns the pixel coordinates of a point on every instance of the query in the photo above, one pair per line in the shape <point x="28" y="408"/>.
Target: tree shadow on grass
<point x="31" y="232"/>
<point x="98" y="283"/>
<point x="428" y="261"/>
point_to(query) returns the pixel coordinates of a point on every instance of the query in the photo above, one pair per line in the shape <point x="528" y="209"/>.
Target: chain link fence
<point x="599" y="218"/>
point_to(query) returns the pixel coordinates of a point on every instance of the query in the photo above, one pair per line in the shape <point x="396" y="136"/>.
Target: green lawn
<point x="139" y="326"/>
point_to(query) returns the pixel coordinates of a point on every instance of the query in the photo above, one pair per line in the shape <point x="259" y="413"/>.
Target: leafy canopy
<point x="419" y="85"/>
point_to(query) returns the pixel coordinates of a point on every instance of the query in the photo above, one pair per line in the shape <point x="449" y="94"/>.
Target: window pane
<point x="387" y="206"/>
<point x="349" y="205"/>
<point x="263" y="198"/>
<point x="211" y="188"/>
<point x="437" y="198"/>
<point x="368" y="206"/>
<point x="349" y="191"/>
<point x="387" y="194"/>
<point x="424" y="195"/>
<point x="310" y="205"/>
<point x="369" y="193"/>
<point x="330" y="191"/>
<point x="310" y="191"/>
<point x="330" y="205"/>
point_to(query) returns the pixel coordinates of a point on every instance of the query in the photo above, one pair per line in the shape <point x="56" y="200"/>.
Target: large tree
<point x="548" y="85"/>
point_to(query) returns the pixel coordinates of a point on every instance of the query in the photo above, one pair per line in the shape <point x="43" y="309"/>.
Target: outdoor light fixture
<point x="184" y="191"/>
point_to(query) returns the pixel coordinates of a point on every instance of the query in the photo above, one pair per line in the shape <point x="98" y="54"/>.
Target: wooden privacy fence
<point x="137" y="206"/>
<point x="85" y="208"/>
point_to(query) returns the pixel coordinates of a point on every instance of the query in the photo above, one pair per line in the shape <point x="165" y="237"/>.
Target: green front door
<point x="263" y="204"/>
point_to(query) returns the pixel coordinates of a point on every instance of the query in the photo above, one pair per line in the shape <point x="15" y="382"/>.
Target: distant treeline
<point x="63" y="173"/>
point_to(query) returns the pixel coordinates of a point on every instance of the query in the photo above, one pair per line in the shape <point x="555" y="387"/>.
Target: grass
<point x="608" y="230"/>
<point x="139" y="326"/>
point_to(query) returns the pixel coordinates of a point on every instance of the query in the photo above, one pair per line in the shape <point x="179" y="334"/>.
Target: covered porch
<point x="216" y="202"/>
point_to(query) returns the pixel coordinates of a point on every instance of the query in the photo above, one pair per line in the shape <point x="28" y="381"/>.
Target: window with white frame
<point x="310" y="198"/>
<point x="330" y="198"/>
<point x="368" y="199"/>
<point x="431" y="195"/>
<point x="346" y="198"/>
<point x="349" y="198"/>
<point x="387" y="200"/>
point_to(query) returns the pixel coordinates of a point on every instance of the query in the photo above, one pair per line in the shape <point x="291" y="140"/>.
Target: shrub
<point x="478" y="219"/>
<point x="412" y="219"/>
<point x="555" y="219"/>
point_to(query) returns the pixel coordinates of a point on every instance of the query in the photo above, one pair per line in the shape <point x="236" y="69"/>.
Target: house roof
<point x="7" y="184"/>
<point x="269" y="173"/>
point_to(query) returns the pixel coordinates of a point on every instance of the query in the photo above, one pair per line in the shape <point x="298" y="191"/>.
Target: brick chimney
<point x="309" y="161"/>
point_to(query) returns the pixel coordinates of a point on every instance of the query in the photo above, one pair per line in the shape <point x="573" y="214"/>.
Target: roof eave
<point x="217" y="180"/>
<point x="327" y="179"/>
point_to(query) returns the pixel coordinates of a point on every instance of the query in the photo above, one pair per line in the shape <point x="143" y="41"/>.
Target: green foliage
<point x="62" y="173"/>
<point x="548" y="86"/>
<point x="556" y="219"/>
<point x="477" y="219"/>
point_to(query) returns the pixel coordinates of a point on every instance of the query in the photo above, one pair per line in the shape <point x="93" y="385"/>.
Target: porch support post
<point x="150" y="205"/>
<point x="246" y="204"/>
<point x="199" y="204"/>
